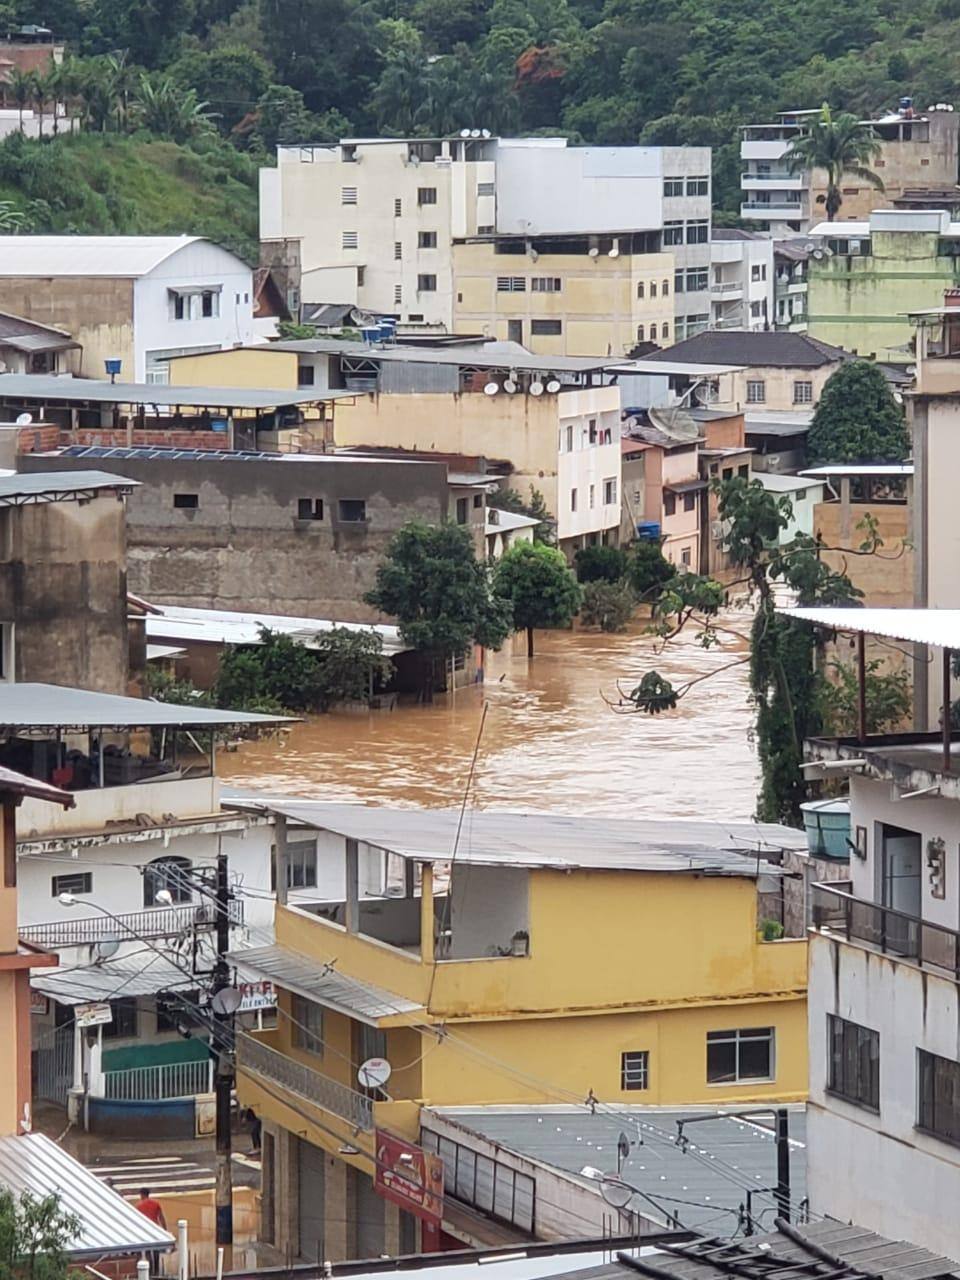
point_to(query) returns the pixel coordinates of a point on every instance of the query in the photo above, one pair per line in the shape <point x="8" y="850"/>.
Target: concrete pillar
<point x="286" y="1196"/>
<point x="426" y="913"/>
<point x="391" y="1228"/>
<point x="351" y="909"/>
<point x="339" y="1210"/>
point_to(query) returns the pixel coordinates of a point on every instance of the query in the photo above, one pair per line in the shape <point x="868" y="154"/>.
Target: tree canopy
<point x="857" y="419"/>
<point x="840" y="146"/>
<point x="540" y="589"/>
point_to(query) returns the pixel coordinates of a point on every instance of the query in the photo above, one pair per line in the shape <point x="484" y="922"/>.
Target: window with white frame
<point x="635" y="1069"/>
<point x="673" y="233"/>
<point x="348" y="195"/>
<point x="546" y="284"/>
<point x="168" y="876"/>
<point x="194" y="304"/>
<point x="756" y="391"/>
<point x="697" y="279"/>
<point x="426" y="239"/>
<point x="71" y="882"/>
<point x="698" y="186"/>
<point x="511" y="284"/>
<point x="426" y="195"/>
<point x="673" y="187"/>
<point x="610" y="491"/>
<point x="698" y="231"/>
<point x="301" y="865"/>
<point x="349" y="240"/>
<point x="306" y="1018"/>
<point x="803" y="392"/>
<point x="740" y="1055"/>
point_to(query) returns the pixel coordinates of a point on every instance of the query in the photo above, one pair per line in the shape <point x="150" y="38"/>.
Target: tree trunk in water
<point x="529" y="642"/>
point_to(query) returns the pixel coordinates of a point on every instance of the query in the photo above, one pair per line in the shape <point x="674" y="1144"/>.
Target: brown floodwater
<point x="549" y="741"/>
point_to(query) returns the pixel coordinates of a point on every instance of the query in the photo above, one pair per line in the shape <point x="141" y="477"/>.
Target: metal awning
<point x="316" y="981"/>
<point x="664" y="368"/>
<point x="937" y="627"/>
<point x="108" y="1224"/>
<point x="141" y="975"/>
<point x="686" y="486"/>
<point x="22" y="489"/>
<point x="56" y="389"/>
<point x="53" y="706"/>
<point x="32" y="342"/>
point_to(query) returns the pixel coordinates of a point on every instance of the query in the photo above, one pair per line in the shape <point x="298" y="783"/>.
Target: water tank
<point x="649" y="529"/>
<point x="827" y="824"/>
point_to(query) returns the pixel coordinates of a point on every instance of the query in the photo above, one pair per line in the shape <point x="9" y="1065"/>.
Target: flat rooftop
<point x="50" y="389"/>
<point x="53" y="706"/>
<point x="494" y="355"/>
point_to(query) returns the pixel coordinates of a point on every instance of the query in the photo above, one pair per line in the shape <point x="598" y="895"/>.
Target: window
<point x="640" y="337"/>
<point x="210" y="304"/>
<point x="665" y="290"/>
<point x="416" y="317"/>
<point x="592" y="431"/>
<point x="570" y="439"/>
<point x="938" y="1095"/>
<point x="803" y="393"/>
<point x="511" y="284"/>
<point x="398" y="250"/>
<point x="699" y="186"/>
<point x="593" y="496"/>
<point x="167" y="874"/>
<point x="462" y="511"/>
<point x="186" y="501"/>
<point x="635" y="1070"/>
<point x="301" y="865"/>
<point x="744" y="471"/>
<point x="737" y="1056"/>
<point x="361" y="276"/>
<point x="755" y="310"/>
<point x="653" y="288"/>
<point x="348" y="195"/>
<point x="306" y="1019"/>
<point x="546" y="284"/>
<point x="673" y="186"/>
<point x="486" y="230"/>
<point x="124" y="1024"/>
<point x="477" y="501"/>
<point x="426" y="284"/>
<point x="349" y="239"/>
<point x="641" y="289"/>
<point x="309" y="508"/>
<point x="653" y="333"/>
<point x="398" y="208"/>
<point x="758" y="271"/>
<point x="669" y="504"/>
<point x="171" y="1014"/>
<point x="72" y="882"/>
<point x="352" y="510"/>
<point x="678" y="282"/>
<point x="673" y="233"/>
<point x="477" y="1180"/>
<point x="664" y="330"/>
<point x="426" y="195"/>
<point x="485" y="189"/>
<point x="689" y="501"/>
<point x="698" y="231"/>
<point x="756" y="391"/>
<point x="609" y="491"/>
<point x="573" y="499"/>
<point x="698" y="279"/>
<point x="426" y="240"/>
<point x="195" y="305"/>
<point x="305" y="375"/>
<point x="397" y="295"/>
<point x="546" y="328"/>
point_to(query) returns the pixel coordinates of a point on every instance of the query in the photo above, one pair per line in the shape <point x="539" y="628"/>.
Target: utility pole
<point x="223" y="1079"/>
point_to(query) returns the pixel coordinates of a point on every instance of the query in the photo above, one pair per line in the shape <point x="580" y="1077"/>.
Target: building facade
<point x="741" y="280"/>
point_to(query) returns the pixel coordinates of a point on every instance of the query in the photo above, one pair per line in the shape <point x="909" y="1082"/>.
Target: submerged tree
<point x="540" y="589"/>
<point x="34" y="1237"/>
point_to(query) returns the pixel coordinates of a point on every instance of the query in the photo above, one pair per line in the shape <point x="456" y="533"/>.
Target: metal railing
<point x="164" y="1080"/>
<point x="259" y="1059"/>
<point x="158" y="922"/>
<point x="792" y="208"/>
<point x="893" y="933"/>
<point x="726" y="286"/>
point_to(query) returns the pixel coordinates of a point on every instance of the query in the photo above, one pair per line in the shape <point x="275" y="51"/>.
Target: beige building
<point x="582" y="302"/>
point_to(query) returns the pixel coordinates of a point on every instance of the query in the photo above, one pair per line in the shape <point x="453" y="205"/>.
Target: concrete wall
<point x="243" y="547"/>
<point x="96" y="311"/>
<point x="63" y="585"/>
<point x="886" y="579"/>
<point x="778" y="385"/>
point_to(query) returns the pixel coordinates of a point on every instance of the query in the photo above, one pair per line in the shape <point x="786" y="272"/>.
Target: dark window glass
<point x="689" y="501"/>
<point x="938" y="1095"/>
<point x="309" y="508"/>
<point x="734" y="1056"/>
<point x="853" y="1066"/>
<point x="546" y="328"/>
<point x="462" y="510"/>
<point x="124" y="1022"/>
<point x="669" y="504"/>
<point x="72" y="882"/>
<point x="635" y="1069"/>
<point x="186" y="501"/>
<point x="305" y="375"/>
<point x="170" y="874"/>
<point x="352" y="510"/>
<point x="426" y="195"/>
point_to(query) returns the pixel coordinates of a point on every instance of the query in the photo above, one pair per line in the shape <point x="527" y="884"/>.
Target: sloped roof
<point x="112" y="256"/>
<point x="773" y="349"/>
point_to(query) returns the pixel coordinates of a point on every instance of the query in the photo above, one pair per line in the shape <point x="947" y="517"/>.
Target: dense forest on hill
<point x="255" y="72"/>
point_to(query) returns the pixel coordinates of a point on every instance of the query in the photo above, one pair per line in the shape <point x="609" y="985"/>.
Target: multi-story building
<point x="790" y="284"/>
<point x="916" y="151"/>
<point x="741" y="280"/>
<point x="425" y="229"/>
<point x="501" y="949"/>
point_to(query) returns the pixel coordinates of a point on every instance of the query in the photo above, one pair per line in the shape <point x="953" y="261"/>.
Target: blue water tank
<point x="371" y="335"/>
<point x="649" y="529"/>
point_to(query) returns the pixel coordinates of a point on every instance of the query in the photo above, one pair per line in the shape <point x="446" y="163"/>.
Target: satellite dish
<point x="676" y="423"/>
<point x="614" y="252"/>
<point x="107" y="947"/>
<point x="226" y="1001"/>
<point x="536" y="388"/>
<point x="374" y="1073"/>
<point x="474" y="133"/>
<point x="707" y="393"/>
<point x="593" y="252"/>
<point x="616" y="1192"/>
<point x="818" y="254"/>
<point x="553" y="386"/>
<point x="24" y="419"/>
<point x="510" y="387"/>
<point x="491" y="388"/>
<point x="464" y="133"/>
<point x="810" y="246"/>
<point x="485" y="133"/>
<point x="534" y="256"/>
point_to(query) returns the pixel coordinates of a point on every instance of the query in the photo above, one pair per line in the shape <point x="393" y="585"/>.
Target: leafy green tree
<point x="648" y="569"/>
<point x="607" y="605"/>
<point x="282" y="117"/>
<point x="150" y="31"/>
<point x="35" y="1234"/>
<point x="600" y="564"/>
<point x="839" y="146"/>
<point x="325" y="48"/>
<point x="888" y="698"/>
<point x="399" y="96"/>
<point x="857" y="419"/>
<point x="539" y="587"/>
<point x="350" y="665"/>
<point x="431" y="581"/>
<point x="20" y="87"/>
<point x="231" y="78"/>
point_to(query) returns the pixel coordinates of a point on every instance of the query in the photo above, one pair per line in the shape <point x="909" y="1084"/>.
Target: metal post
<point x="861" y="688"/>
<point x="183" y="1261"/>
<point x="783" y="1162"/>
<point x="223" y="1084"/>
<point x="143" y="1269"/>
<point x="945" y="711"/>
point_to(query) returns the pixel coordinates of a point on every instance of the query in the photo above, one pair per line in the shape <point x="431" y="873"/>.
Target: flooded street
<point x="549" y="742"/>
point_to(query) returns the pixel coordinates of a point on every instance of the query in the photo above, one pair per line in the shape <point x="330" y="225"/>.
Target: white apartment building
<point x="378" y="219"/>
<point x="741" y="280"/>
<point x="883" y="1118"/>
<point x="588" y="469"/>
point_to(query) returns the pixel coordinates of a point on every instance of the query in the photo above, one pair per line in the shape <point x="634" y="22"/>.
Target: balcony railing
<point x="159" y="922"/>
<point x="893" y="933"/>
<point x="787" y="209"/>
<point x="726" y="286"/>
<point x="257" y="1058"/>
<point x="164" y="1080"/>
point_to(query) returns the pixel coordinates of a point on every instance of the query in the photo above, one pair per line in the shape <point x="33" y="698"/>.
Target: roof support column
<point x="945" y="710"/>
<point x="426" y="913"/>
<point x="861" y="688"/>
<point x="351" y="907"/>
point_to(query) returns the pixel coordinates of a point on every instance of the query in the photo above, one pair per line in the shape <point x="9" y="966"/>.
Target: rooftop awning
<point x="664" y="368"/>
<point x="22" y="489"/>
<point x="53" y="706"/>
<point x="222" y="626"/>
<point x="108" y="1225"/>
<point x="19" y="784"/>
<point x="316" y="981"/>
<point x="686" y="486"/>
<point x="51" y="389"/>
<point x="31" y="342"/>
<point x="937" y="627"/>
<point x="140" y="975"/>
<point x="864" y="469"/>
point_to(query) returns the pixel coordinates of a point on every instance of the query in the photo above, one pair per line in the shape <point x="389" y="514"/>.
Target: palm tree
<point x="122" y="79"/>
<point x="169" y="111"/>
<point x="39" y="90"/>
<point x="838" y="145"/>
<point x="20" y="86"/>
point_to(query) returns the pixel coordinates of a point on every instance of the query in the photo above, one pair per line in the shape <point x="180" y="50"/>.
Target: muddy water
<point x="549" y="740"/>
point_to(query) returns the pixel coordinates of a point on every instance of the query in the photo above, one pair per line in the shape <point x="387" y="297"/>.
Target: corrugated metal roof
<point x="20" y="785"/>
<point x="777" y="483"/>
<point x="111" y="256"/>
<point x="662" y="368"/>
<point x="222" y="626"/>
<point x="47" y="706"/>
<point x="497" y="837"/>
<point x="494" y="355"/>
<point x="862" y="469"/>
<point x="306" y="977"/>
<point x="39" y="342"/>
<point x="108" y="1224"/>
<point x="938" y="627"/>
<point x="127" y="976"/>
<point x="22" y="487"/>
<point x="47" y="388"/>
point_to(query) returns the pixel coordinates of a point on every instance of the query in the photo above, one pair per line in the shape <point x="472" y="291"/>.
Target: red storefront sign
<point x="409" y="1176"/>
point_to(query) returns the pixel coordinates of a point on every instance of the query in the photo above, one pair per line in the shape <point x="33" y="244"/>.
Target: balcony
<point x="765" y="181"/>
<point x="837" y="913"/>
<point x="727" y="290"/>
<point x="764" y="149"/>
<point x="259" y="1060"/>
<point x="794" y="212"/>
<point x="159" y="922"/>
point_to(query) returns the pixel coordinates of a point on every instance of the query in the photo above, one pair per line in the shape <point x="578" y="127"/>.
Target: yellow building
<point x="575" y="303"/>
<point x="554" y="959"/>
